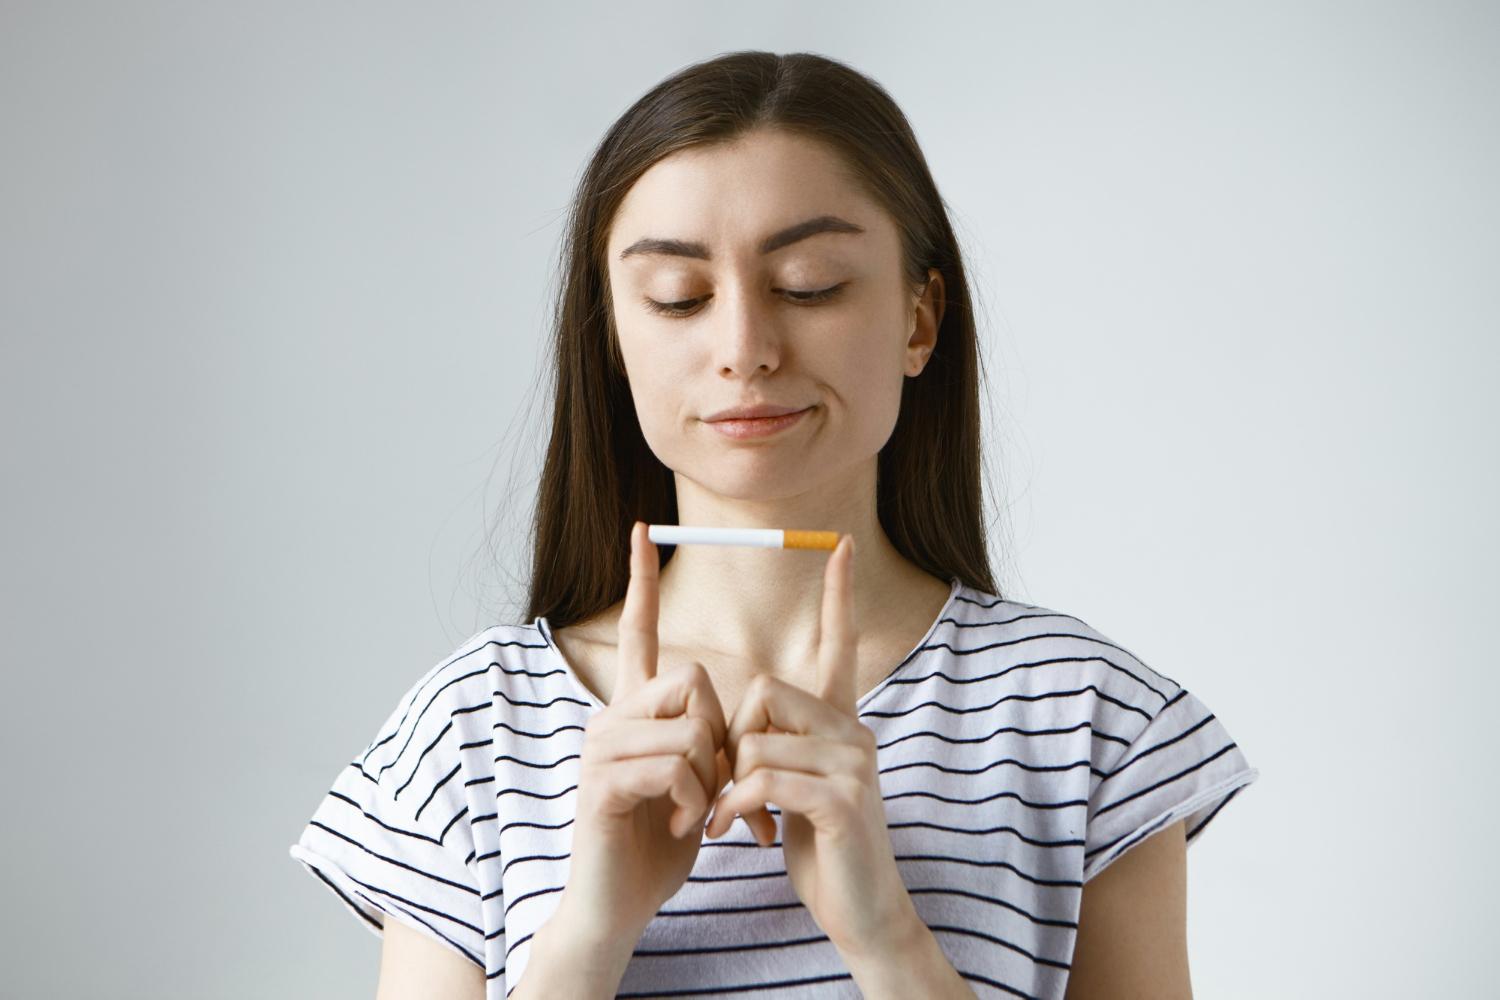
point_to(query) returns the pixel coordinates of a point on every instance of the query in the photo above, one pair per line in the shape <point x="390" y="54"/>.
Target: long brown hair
<point x="599" y="475"/>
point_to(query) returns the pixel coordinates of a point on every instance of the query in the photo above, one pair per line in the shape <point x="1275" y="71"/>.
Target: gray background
<point x="273" y="291"/>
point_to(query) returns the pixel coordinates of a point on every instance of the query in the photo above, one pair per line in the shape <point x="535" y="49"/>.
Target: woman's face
<point x="690" y="234"/>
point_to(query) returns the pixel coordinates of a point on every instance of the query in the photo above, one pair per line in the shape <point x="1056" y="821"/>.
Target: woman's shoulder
<point x="472" y="678"/>
<point x="1050" y="641"/>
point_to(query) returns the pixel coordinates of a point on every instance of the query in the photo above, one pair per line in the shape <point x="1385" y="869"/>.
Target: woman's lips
<point x="757" y="427"/>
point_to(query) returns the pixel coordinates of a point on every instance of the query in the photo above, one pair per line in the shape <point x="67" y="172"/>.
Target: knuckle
<point x="682" y="770"/>
<point x="590" y="772"/>
<point x="701" y="734"/>
<point x="685" y="678"/>
<point x="852" y="793"/>
<point x="668" y="680"/>
<point x="749" y="751"/>
<point x="604" y="719"/>
<point x="663" y="769"/>
<point x="593" y="743"/>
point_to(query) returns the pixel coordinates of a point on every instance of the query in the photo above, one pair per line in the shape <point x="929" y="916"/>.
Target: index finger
<point x="837" y="644"/>
<point x="635" y="661"/>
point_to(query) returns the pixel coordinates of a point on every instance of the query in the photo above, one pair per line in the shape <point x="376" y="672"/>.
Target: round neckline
<point x="955" y="585"/>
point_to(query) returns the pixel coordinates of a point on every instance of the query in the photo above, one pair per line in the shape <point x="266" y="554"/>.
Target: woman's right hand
<point x="651" y="767"/>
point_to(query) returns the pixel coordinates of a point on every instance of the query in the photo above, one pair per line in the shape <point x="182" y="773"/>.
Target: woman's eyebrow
<point x="777" y="240"/>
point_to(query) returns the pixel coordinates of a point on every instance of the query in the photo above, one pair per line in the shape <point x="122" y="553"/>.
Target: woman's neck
<point x="764" y="606"/>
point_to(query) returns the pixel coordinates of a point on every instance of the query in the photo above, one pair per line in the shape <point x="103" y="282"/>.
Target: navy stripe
<point x="999" y="781"/>
<point x="1165" y="781"/>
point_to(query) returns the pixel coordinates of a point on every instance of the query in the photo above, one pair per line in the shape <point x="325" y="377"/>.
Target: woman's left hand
<point x="808" y="753"/>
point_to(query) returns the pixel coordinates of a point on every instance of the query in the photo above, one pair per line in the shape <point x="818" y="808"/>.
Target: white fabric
<point x="1021" y="752"/>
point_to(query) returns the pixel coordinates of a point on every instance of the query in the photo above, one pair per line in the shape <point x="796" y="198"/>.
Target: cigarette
<point x="761" y="538"/>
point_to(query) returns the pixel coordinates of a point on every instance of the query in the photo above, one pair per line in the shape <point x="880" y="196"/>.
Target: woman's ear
<point x="929" y="316"/>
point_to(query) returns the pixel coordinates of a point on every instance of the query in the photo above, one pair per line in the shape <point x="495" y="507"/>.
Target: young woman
<point x="727" y="770"/>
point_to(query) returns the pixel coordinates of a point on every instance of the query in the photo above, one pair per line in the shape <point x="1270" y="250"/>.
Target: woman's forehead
<point x="740" y="195"/>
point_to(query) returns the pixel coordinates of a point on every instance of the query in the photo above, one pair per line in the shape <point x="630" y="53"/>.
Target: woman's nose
<point x="747" y="337"/>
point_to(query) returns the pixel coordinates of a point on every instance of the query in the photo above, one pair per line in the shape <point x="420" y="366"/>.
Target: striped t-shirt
<point x="1020" y="753"/>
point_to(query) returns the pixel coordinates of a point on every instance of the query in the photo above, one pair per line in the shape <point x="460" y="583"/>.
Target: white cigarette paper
<point x="761" y="538"/>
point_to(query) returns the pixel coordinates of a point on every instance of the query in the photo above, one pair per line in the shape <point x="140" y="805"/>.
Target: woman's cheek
<point x="876" y="416"/>
<point x="656" y="430"/>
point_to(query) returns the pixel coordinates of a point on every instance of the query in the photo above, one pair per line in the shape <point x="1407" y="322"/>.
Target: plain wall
<point x="274" y="291"/>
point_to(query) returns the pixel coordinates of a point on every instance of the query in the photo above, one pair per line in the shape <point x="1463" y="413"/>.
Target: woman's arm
<point x="564" y="963"/>
<point x="1132" y="925"/>
<point x="415" y="967"/>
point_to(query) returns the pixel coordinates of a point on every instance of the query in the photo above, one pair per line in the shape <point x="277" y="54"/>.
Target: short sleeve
<point x="393" y="837"/>
<point x="1182" y="765"/>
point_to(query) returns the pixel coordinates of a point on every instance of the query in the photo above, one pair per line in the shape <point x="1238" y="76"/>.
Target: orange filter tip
<point x="811" y="540"/>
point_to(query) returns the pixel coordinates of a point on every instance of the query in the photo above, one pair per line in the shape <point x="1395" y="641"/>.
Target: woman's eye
<point x="686" y="306"/>
<point x="669" y="308"/>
